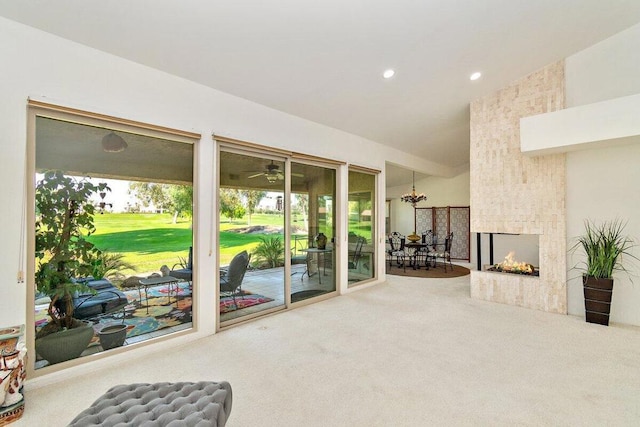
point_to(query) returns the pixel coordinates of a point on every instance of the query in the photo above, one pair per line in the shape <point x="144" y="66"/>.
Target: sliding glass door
<point x="313" y="230"/>
<point x="251" y="235"/>
<point x="361" y="238"/>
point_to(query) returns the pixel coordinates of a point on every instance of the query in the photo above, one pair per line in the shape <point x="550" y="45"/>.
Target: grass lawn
<point x="149" y="241"/>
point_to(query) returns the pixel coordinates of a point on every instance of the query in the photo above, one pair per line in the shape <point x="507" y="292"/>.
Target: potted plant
<point x="64" y="218"/>
<point x="604" y="245"/>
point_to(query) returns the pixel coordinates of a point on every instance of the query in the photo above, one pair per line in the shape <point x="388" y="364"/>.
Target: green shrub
<point x="270" y="250"/>
<point x="108" y="264"/>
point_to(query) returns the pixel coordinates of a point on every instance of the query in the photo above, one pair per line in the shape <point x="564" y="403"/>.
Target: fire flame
<point x="509" y="264"/>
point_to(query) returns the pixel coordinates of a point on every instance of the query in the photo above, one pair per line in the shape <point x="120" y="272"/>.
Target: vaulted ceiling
<point x="323" y="60"/>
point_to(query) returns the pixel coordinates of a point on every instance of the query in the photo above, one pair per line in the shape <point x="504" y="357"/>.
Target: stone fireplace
<point x="516" y="195"/>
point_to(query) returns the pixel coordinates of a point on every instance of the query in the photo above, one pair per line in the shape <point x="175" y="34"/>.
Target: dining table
<point x="416" y="248"/>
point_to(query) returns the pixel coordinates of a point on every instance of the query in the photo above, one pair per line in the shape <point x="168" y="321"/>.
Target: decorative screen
<point x="424" y="220"/>
<point x="445" y="220"/>
<point x="459" y="220"/>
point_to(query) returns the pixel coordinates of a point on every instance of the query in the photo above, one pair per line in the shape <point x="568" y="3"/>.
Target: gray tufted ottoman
<point x="198" y="404"/>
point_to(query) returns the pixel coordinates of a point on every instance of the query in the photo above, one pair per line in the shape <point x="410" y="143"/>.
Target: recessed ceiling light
<point x="475" y="76"/>
<point x="388" y="74"/>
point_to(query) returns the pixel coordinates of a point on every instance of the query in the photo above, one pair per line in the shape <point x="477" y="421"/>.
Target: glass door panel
<point x="128" y="213"/>
<point x="313" y="213"/>
<point x="361" y="239"/>
<point x="251" y="235"/>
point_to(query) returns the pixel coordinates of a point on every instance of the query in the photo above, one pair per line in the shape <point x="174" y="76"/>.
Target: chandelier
<point x="412" y="197"/>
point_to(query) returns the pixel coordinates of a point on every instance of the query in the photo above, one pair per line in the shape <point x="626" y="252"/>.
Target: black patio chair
<point x="186" y="272"/>
<point x="357" y="254"/>
<point x="231" y="278"/>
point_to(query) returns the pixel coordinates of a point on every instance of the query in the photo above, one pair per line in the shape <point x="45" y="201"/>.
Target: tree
<point x="303" y="206"/>
<point x="252" y="198"/>
<point x="231" y="204"/>
<point x="181" y="200"/>
<point x="177" y="199"/>
<point x="150" y="193"/>
<point x="64" y="219"/>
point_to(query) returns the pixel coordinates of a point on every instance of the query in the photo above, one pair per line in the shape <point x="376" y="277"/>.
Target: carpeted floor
<point x="431" y="273"/>
<point x="400" y="353"/>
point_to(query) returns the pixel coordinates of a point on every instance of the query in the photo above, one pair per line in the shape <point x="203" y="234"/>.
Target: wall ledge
<point x="606" y="123"/>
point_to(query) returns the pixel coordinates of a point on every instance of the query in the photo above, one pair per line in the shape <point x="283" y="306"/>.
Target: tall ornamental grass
<point x="605" y="244"/>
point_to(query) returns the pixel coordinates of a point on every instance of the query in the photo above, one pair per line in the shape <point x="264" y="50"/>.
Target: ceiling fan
<point x="273" y="173"/>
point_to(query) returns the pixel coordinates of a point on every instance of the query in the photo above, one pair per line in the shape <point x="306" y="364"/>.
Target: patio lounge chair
<point x="231" y="278"/>
<point x="184" y="273"/>
<point x="103" y="298"/>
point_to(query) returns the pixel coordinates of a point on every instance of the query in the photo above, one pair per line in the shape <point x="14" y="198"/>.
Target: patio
<point x="265" y="282"/>
<point x="270" y="283"/>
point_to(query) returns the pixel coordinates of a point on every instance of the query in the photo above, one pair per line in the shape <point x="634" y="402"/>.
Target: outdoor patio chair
<point x="186" y="272"/>
<point x="101" y="298"/>
<point x="298" y="253"/>
<point x="357" y="254"/>
<point x="300" y="244"/>
<point x="231" y="278"/>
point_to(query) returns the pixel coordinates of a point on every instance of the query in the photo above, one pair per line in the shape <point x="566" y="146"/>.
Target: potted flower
<point x="64" y="217"/>
<point x="604" y="245"/>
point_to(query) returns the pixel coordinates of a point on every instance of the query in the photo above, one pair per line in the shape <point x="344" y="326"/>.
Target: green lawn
<point x="149" y="241"/>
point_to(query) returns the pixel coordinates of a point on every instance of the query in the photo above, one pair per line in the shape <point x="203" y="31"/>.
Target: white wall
<point x="604" y="71"/>
<point x="602" y="183"/>
<point x="37" y="64"/>
<point x="439" y="191"/>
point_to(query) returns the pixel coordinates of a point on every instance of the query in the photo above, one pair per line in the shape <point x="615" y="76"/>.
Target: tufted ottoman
<point x="198" y="404"/>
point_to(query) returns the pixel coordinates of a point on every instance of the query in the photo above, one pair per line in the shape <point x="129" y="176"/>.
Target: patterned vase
<point x="321" y="241"/>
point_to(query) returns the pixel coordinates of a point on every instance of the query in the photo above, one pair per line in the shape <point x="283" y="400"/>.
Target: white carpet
<point x="411" y="352"/>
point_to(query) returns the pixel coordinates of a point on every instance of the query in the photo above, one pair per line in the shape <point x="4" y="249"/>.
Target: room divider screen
<point x="445" y="220"/>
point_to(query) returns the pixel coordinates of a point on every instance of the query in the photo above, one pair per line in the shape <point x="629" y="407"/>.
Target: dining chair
<point x="422" y="254"/>
<point x="444" y="254"/>
<point x="397" y="250"/>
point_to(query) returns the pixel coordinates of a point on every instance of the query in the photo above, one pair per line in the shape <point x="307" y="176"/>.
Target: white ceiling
<point x="323" y="60"/>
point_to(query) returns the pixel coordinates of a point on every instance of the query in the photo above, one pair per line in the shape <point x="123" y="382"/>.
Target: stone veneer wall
<point x="512" y="193"/>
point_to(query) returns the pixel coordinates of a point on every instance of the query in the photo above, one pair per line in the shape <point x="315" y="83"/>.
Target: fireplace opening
<point x="512" y="266"/>
<point x="522" y="253"/>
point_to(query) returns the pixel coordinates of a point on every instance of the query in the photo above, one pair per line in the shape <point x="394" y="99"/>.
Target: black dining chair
<point x="397" y="250"/>
<point x="444" y="254"/>
<point x="422" y="253"/>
